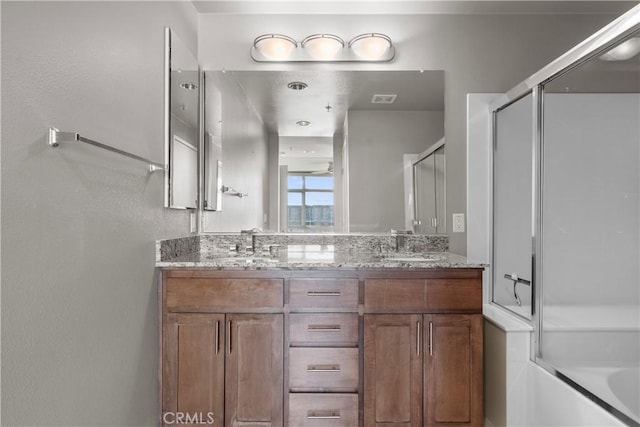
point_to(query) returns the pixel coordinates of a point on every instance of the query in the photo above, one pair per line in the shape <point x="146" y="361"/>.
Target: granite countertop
<point x="318" y="257"/>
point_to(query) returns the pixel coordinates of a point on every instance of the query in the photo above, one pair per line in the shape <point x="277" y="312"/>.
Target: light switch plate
<point x="458" y="223"/>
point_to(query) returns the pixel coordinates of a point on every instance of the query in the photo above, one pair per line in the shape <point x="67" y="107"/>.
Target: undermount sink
<point x="243" y="259"/>
<point x="400" y="258"/>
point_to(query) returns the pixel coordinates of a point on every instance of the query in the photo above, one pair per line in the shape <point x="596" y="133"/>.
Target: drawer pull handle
<point x="217" y="336"/>
<point x="229" y="337"/>
<point x="323" y="368"/>
<point x="323" y="293"/>
<point x="430" y="338"/>
<point x="418" y="335"/>
<point x="323" y="415"/>
<point x="323" y="328"/>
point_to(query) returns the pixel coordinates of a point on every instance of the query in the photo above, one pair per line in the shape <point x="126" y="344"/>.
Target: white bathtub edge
<point x="504" y="320"/>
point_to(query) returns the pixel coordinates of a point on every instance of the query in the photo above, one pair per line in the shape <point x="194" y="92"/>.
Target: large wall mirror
<point x="182" y="101"/>
<point x="316" y="151"/>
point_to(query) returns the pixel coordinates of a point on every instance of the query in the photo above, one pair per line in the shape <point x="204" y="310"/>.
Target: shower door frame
<point x="591" y="47"/>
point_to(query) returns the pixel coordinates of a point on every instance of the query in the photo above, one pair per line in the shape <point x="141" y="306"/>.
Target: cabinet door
<point x="392" y="370"/>
<point x="254" y="374"/>
<point x="453" y="370"/>
<point x="193" y="366"/>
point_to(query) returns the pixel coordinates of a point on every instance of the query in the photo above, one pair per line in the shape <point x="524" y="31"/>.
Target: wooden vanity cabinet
<point x="453" y="370"/>
<point x="423" y="352"/>
<point x="324" y="352"/>
<point x="227" y="365"/>
<point x="329" y="348"/>
<point x="193" y="364"/>
<point x="392" y="370"/>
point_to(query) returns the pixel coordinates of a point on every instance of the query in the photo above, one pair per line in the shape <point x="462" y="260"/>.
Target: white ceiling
<point x="411" y="6"/>
<point x="280" y="107"/>
<point x="306" y="154"/>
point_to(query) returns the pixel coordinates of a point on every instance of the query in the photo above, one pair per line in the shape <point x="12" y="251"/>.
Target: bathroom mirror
<point x="315" y="150"/>
<point x="212" y="144"/>
<point x="181" y="124"/>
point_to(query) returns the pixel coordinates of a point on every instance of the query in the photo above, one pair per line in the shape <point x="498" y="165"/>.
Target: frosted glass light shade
<point x="370" y="46"/>
<point x="276" y="47"/>
<point x="623" y="51"/>
<point x="323" y="47"/>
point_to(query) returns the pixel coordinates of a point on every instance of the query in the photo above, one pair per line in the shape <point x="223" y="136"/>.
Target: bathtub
<point x="625" y="385"/>
<point x="535" y="396"/>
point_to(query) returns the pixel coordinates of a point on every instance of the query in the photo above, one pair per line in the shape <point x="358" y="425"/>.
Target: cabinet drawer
<point x="323" y="369"/>
<point x="205" y="294"/>
<point x="340" y="329"/>
<point x="340" y="294"/>
<point x="323" y="410"/>
<point x="395" y="295"/>
<point x="423" y="295"/>
<point x="454" y="295"/>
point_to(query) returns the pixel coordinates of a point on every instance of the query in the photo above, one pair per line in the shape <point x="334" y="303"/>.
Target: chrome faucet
<point x="249" y="234"/>
<point x="401" y="239"/>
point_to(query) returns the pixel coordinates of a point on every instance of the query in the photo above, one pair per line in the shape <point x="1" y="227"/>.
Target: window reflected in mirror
<point x="310" y="202"/>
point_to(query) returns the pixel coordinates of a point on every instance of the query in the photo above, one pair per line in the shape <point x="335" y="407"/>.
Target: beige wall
<point x="79" y="294"/>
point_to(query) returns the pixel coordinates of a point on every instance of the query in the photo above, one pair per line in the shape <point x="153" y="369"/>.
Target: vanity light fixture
<point x="323" y="47"/>
<point x="276" y="47"/>
<point x="368" y="47"/>
<point x="303" y="123"/>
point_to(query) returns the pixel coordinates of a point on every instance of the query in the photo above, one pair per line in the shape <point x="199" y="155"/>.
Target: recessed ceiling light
<point x="303" y="123"/>
<point x="189" y="86"/>
<point x="297" y="85"/>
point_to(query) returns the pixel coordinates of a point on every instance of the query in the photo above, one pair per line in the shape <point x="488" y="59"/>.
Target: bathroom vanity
<point x="348" y="341"/>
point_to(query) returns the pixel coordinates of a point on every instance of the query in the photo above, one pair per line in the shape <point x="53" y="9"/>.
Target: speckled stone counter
<point x="313" y="256"/>
<point x="205" y="245"/>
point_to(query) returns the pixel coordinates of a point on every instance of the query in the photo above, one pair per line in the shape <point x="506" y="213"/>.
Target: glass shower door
<point x="429" y="186"/>
<point x="512" y="194"/>
<point x="590" y="312"/>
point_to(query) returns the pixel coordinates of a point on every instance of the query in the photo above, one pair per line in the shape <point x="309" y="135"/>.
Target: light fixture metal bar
<point x="299" y="55"/>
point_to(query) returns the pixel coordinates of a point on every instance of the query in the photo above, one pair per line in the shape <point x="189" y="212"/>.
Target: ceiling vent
<point x="383" y="99"/>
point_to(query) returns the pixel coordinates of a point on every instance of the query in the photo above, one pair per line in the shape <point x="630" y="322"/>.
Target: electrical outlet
<point x="192" y="222"/>
<point x="458" y="223"/>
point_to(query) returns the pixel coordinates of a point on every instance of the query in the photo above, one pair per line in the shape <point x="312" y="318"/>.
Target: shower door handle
<point x="516" y="280"/>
